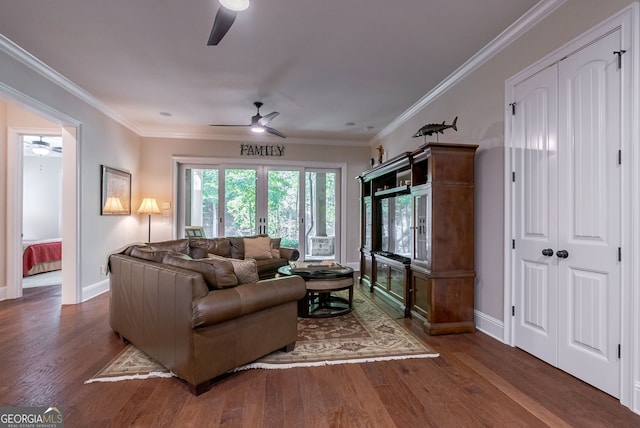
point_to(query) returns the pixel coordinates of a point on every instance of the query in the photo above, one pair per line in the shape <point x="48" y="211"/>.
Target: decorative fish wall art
<point x="435" y="128"/>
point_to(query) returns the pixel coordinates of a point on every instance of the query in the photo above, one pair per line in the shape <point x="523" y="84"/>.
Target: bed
<point x="41" y="256"/>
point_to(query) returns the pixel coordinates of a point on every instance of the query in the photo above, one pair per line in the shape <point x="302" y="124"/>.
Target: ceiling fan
<point x="43" y="148"/>
<point x="225" y="16"/>
<point x="259" y="123"/>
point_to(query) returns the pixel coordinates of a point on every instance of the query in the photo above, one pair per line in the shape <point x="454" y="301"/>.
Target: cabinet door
<point x="382" y="275"/>
<point x="397" y="282"/>
<point x="420" y="286"/>
<point x="422" y="231"/>
<point x="367" y="268"/>
<point x="367" y="223"/>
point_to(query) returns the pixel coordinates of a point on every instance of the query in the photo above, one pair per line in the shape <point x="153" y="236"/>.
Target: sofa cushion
<point x="198" y="252"/>
<point x="218" y="246"/>
<point x="217" y="273"/>
<point x="246" y="270"/>
<point x="127" y="251"/>
<point x="267" y="268"/>
<point x="258" y="248"/>
<point x="275" y="247"/>
<point x="225" y="305"/>
<point x="148" y="253"/>
<point x="179" y="245"/>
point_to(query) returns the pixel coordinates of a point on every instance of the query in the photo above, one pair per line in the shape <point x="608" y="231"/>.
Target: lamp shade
<point x="113" y="205"/>
<point x="235" y="5"/>
<point x="149" y="206"/>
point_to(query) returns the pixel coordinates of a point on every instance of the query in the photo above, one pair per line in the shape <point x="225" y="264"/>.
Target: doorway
<point x="42" y="210"/>
<point x="68" y="128"/>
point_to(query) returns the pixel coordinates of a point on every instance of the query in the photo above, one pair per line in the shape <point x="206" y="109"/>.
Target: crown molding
<point x="515" y="30"/>
<point x="265" y="139"/>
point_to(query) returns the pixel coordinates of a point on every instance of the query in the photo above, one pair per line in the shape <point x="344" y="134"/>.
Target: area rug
<point x="366" y="334"/>
<point x="130" y="363"/>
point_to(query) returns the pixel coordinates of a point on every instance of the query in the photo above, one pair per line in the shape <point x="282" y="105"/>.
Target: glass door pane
<point x="201" y="207"/>
<point x="283" y="218"/>
<point x="320" y="214"/>
<point x="240" y="201"/>
<point x="296" y="204"/>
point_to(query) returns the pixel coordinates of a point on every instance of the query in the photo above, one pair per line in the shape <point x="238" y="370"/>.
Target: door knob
<point x="547" y="252"/>
<point x="563" y="254"/>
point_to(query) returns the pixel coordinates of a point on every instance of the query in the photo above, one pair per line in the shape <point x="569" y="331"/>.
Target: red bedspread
<point x="39" y="253"/>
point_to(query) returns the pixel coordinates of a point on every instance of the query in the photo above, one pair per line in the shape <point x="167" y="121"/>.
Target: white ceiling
<point x="320" y="63"/>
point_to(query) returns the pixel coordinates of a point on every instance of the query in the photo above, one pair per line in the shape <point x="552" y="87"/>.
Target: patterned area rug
<point x="366" y="334"/>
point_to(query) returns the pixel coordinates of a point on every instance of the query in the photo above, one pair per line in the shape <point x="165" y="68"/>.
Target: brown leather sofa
<point x="231" y="247"/>
<point x="199" y="323"/>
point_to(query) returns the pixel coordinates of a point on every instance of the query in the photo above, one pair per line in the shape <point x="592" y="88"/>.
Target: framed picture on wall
<point x="115" y="192"/>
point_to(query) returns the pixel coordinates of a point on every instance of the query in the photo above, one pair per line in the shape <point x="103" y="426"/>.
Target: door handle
<point x="562" y="254"/>
<point x="547" y="252"/>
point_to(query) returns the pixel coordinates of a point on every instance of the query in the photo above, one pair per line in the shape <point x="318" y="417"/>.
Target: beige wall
<point x="479" y="102"/>
<point x="157" y="172"/>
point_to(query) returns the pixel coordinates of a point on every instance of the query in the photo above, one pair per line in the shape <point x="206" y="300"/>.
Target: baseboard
<point x="94" y="290"/>
<point x="3" y="293"/>
<point x="489" y="325"/>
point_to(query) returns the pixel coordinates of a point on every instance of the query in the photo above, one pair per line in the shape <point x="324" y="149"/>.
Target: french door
<point x="567" y="214"/>
<point x="298" y="205"/>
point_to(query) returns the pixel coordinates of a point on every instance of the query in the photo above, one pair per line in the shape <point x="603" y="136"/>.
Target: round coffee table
<point x="321" y="282"/>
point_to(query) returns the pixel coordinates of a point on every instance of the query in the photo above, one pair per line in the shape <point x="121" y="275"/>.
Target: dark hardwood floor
<point x="47" y="351"/>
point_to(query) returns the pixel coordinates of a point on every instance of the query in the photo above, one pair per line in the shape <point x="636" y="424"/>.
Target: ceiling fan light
<point x="235" y="5"/>
<point x="257" y="129"/>
<point x="40" y="148"/>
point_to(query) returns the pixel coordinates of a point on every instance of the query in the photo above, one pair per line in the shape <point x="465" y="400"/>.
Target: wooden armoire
<point x="432" y="277"/>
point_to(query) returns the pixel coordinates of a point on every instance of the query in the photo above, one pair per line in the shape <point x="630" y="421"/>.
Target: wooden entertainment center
<point x="417" y="237"/>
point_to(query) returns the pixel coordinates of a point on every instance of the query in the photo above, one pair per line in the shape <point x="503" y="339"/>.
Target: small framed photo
<point x="115" y="192"/>
<point x="194" y="232"/>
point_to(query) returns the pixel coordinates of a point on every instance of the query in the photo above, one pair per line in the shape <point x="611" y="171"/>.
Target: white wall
<point x="42" y="196"/>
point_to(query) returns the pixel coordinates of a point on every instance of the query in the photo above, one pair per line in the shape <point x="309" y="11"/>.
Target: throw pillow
<point x="246" y="270"/>
<point x="258" y="248"/>
<point x="275" y="247"/>
<point x="237" y="247"/>
<point x="216" y="273"/>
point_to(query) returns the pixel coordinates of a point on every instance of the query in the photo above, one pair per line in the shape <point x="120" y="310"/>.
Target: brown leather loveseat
<point x="200" y="318"/>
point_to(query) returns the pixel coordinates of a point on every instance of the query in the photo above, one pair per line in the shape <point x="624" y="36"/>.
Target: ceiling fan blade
<point x="274" y="132"/>
<point x="221" y="24"/>
<point x="268" y="118"/>
<point x="56" y="149"/>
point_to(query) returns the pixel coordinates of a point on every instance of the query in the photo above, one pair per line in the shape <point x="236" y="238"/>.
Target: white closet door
<point x="589" y="214"/>
<point x="536" y="229"/>
<point x="567" y="214"/>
